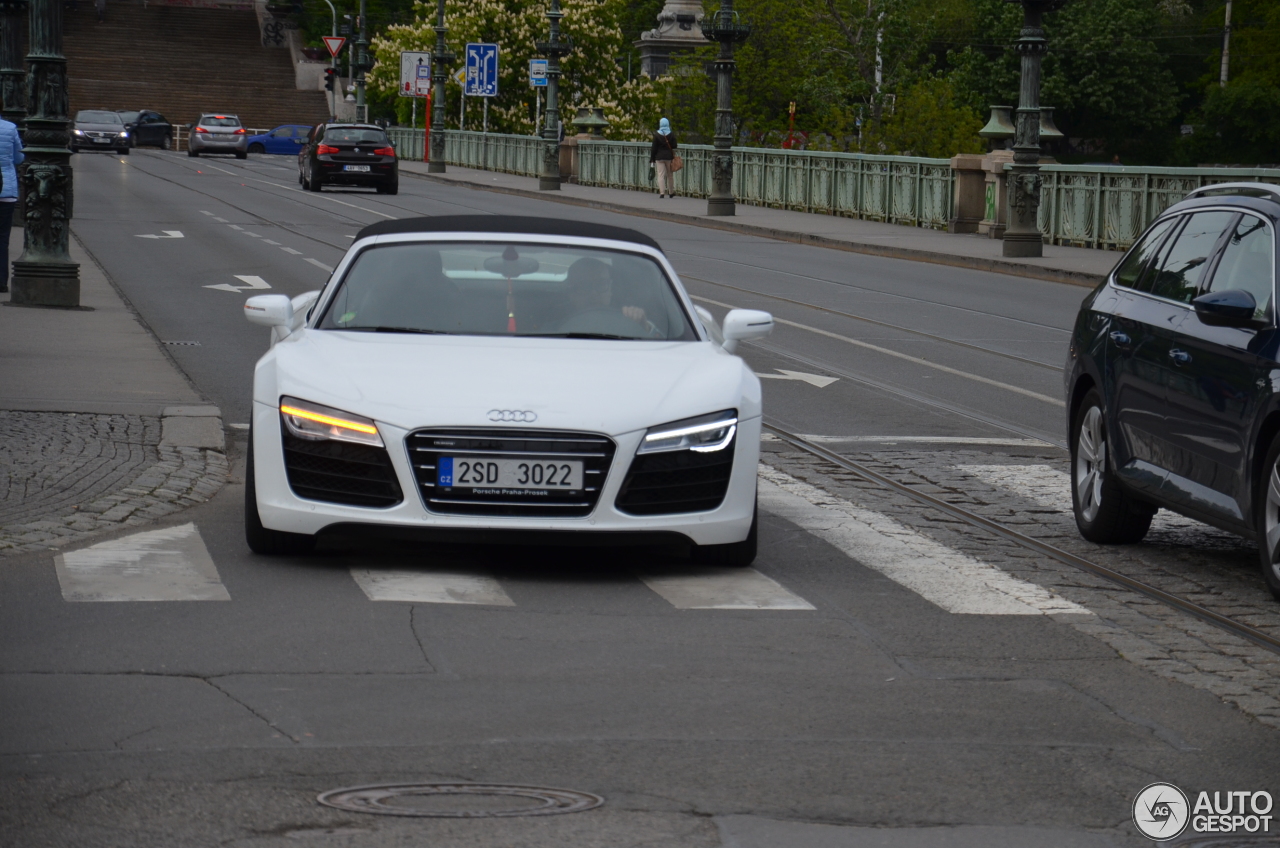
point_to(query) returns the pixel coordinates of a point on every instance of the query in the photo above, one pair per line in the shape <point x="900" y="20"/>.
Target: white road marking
<point x="251" y="281"/>
<point x="157" y="565"/>
<point x="291" y="250"/>
<point x="936" y="440"/>
<point x="237" y="227"/>
<point x="722" y="588"/>
<point x="952" y="580"/>
<point x="906" y="356"/>
<point x="238" y="426"/>
<point x="323" y="197"/>
<point x="319" y="264"/>
<point x="812" y="379"/>
<point x="350" y="237"/>
<point x="251" y="235"/>
<point x="168" y="234"/>
<point x="202" y="212"/>
<point x="430" y="587"/>
<point x="214" y="168"/>
<point x="269" y="241"/>
<point x="221" y="220"/>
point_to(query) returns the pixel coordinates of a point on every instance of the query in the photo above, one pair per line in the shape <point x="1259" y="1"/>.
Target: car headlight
<point x="77" y="132"/>
<point x="124" y="134"/>
<point x="703" y="434"/>
<point x="315" y="422"/>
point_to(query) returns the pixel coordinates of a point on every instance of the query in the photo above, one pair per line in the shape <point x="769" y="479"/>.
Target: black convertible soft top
<point x="516" y="225"/>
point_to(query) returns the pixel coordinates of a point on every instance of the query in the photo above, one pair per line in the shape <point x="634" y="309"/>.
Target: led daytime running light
<point x="663" y="435"/>
<point x="704" y="436"/>
<point x="328" y="419"/>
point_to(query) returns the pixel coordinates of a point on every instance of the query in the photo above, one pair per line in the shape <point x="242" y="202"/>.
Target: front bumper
<point x="280" y="509"/>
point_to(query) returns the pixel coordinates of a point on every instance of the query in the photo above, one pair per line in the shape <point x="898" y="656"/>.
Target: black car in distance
<point x="99" y="129"/>
<point x="146" y="127"/>
<point x="348" y="155"/>
<point x="1173" y="378"/>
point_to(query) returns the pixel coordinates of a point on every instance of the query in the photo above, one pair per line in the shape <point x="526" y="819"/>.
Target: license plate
<point x="510" y="476"/>
<point x="361" y="168"/>
<point x="102" y="141"/>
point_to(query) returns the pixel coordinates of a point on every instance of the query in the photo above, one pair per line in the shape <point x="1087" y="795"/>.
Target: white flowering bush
<point x="591" y="76"/>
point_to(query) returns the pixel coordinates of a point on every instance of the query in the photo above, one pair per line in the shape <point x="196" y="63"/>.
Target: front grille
<point x="427" y="446"/>
<point x="676" y="482"/>
<point x="340" y="472"/>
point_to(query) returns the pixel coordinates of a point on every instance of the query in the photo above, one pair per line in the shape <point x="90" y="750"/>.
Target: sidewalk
<point x="98" y="427"/>
<point x="1076" y="265"/>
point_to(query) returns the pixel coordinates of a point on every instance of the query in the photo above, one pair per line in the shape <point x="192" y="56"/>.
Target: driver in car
<point x="591" y="288"/>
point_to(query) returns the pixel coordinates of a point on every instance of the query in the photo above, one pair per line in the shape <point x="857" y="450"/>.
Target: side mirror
<point x="269" y="310"/>
<point x="190" y="126"/>
<point x="1229" y="308"/>
<point x="743" y="324"/>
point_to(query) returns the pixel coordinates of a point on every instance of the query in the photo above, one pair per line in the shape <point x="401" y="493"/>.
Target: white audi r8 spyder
<point x="502" y="379"/>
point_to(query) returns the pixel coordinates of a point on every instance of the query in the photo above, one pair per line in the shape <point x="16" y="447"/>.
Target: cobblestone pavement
<point x="1026" y="491"/>
<point x="65" y="475"/>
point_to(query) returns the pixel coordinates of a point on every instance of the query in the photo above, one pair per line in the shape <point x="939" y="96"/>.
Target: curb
<point x="998" y="266"/>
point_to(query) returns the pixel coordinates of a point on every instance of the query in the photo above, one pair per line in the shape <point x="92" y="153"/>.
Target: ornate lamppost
<point x="1023" y="237"/>
<point x="13" y="102"/>
<point x="441" y="59"/>
<point x="554" y="48"/>
<point x="724" y="27"/>
<point x="362" y="64"/>
<point x="44" y="274"/>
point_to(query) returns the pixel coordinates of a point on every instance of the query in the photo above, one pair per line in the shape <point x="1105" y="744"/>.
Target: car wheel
<point x="1267" y="517"/>
<point x="260" y="539"/>
<point x="1105" y="512"/>
<point x="257" y="148"/>
<point x="167" y="143"/>
<point x="735" y="554"/>
<point x="312" y="182"/>
<point x="241" y="154"/>
<point x="192" y="153"/>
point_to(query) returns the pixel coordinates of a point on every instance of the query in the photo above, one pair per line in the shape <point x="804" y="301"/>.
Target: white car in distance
<point x="503" y="379"/>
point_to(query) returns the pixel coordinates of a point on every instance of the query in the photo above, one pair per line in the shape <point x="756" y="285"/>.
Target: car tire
<point x="257" y="148"/>
<point x="167" y="142"/>
<point x="312" y="181"/>
<point x="192" y="153"/>
<point x="260" y="539"/>
<point x="733" y="555"/>
<point x="241" y="154"/>
<point x="1105" y="512"/>
<point x="124" y="151"/>
<point x="389" y="188"/>
<point x="1267" y="517"/>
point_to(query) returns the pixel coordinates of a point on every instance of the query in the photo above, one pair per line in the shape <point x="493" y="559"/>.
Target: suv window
<point x="1247" y="264"/>
<point x="219" y="121"/>
<point x="1127" y="273"/>
<point x="1179" y="275"/>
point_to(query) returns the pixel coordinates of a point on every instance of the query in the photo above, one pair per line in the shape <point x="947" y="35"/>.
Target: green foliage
<point x="928" y="121"/>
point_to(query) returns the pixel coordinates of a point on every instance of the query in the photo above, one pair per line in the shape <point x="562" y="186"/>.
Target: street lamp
<point x="725" y="28"/>
<point x="553" y="49"/>
<point x="13" y="103"/>
<point x="44" y="274"/>
<point x="440" y="62"/>
<point x="333" y="64"/>
<point x="362" y="64"/>
<point x="1023" y="237"/>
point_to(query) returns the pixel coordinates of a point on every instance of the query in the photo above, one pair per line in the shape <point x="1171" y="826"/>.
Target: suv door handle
<point x="1120" y="339"/>
<point x="1179" y="357"/>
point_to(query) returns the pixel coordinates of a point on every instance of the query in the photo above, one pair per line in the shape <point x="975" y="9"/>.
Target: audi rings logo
<point x="515" y="416"/>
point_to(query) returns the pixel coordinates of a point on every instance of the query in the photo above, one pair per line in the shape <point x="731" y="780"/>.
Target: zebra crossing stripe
<point x="952" y="580"/>
<point x="692" y="587"/>
<point x="170" y="564"/>
<point x="430" y="587"/>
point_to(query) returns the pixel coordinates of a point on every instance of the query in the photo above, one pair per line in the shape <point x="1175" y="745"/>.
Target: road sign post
<point x="415" y="73"/>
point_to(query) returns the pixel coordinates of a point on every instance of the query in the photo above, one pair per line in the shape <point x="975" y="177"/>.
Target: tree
<point x="927" y="120"/>
<point x="592" y="76"/>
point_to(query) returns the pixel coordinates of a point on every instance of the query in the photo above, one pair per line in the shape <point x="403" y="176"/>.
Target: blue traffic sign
<point x="482" y="70"/>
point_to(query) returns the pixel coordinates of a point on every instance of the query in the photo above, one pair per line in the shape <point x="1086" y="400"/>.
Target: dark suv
<point x="348" y="155"/>
<point x="1173" y="380"/>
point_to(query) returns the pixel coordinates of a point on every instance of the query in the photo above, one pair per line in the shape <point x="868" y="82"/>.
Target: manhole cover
<point x="459" y="800"/>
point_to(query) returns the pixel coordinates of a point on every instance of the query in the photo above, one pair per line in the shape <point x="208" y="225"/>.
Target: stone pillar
<point x="44" y="274"/>
<point x="677" y="32"/>
<point x="995" y="194"/>
<point x="967" y="209"/>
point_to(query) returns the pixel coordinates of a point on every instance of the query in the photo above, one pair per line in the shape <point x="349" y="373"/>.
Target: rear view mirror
<point x="1229" y="308"/>
<point x="269" y="310"/>
<point x="744" y="324"/>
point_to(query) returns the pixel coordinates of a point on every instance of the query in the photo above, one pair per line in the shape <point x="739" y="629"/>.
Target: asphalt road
<point x="855" y="712"/>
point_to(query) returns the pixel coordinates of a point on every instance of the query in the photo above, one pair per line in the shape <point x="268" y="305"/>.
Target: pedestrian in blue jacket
<point x="10" y="157"/>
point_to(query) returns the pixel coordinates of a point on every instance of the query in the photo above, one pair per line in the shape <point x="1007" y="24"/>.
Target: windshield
<point x="219" y="121"/>
<point x="128" y="117"/>
<point x="93" y="116"/>
<point x="356" y="135"/>
<point x="508" y="289"/>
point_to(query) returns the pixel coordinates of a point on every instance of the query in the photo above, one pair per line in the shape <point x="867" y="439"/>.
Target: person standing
<point x="10" y="157"/>
<point x="660" y="156"/>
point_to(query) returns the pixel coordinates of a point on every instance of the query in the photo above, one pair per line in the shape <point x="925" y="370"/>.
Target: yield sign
<point x="334" y="43"/>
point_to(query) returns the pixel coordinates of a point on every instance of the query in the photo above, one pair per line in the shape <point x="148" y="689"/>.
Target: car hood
<point x="412" y="381"/>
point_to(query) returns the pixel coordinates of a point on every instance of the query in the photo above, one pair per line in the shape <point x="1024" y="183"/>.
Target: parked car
<point x="510" y="379"/>
<point x="147" y="128"/>
<point x="349" y="155"/>
<point x="287" y="139"/>
<point x="1172" y="377"/>
<point x="215" y="133"/>
<point x="99" y="129"/>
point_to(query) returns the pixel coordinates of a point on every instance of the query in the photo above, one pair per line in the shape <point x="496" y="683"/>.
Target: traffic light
<point x="330" y="79"/>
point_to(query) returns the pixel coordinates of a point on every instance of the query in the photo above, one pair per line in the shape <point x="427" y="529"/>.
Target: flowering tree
<point x="592" y="75"/>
